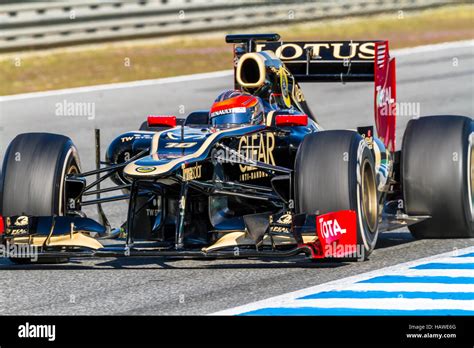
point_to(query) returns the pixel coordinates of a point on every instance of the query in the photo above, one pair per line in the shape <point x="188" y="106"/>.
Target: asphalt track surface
<point x="440" y="80"/>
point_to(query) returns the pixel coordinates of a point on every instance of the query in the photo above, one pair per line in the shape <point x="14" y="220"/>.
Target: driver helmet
<point x="235" y="108"/>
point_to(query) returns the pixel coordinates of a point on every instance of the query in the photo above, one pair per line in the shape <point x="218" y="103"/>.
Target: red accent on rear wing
<point x="385" y="95"/>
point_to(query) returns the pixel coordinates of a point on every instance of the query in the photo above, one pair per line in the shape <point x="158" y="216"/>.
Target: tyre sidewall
<point x="365" y="236"/>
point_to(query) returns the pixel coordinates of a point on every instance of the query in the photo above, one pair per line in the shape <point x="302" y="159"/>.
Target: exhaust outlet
<point x="251" y="70"/>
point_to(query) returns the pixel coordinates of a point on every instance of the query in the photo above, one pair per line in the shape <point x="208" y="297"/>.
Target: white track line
<point x="434" y="47"/>
<point x="435" y="272"/>
<point x="456" y="260"/>
<point x="381" y="303"/>
<point x="348" y="283"/>
<point x="121" y="85"/>
<point x="407" y="287"/>
<point x="216" y="74"/>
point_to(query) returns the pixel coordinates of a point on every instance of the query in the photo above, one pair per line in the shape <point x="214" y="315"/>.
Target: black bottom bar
<point x="213" y="331"/>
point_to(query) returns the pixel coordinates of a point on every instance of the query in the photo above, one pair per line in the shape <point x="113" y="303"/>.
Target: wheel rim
<point x="369" y="196"/>
<point x="72" y="170"/>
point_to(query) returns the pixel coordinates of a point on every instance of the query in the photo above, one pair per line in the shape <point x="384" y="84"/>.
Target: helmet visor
<point x="231" y="117"/>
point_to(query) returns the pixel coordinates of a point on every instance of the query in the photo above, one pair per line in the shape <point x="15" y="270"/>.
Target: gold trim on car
<point x="76" y="239"/>
<point x="130" y="169"/>
<point x="369" y="196"/>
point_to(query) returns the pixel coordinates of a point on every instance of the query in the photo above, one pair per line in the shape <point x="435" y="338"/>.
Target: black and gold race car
<point x="254" y="176"/>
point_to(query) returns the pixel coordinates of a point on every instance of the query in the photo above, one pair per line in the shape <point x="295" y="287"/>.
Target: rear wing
<point x="345" y="61"/>
<point x="336" y="61"/>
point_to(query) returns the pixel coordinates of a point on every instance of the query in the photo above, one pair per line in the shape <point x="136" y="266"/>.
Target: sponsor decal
<point x="257" y="147"/>
<point x="192" y="173"/>
<point x="330" y="229"/>
<point x="17" y="231"/>
<point x="285" y="219"/>
<point x="284" y="86"/>
<point x="327" y="50"/>
<point x="237" y="110"/>
<point x="174" y="136"/>
<point x="253" y="175"/>
<point x="145" y="170"/>
<point x="337" y="233"/>
<point x="17" y="225"/>
<point x="21" y="221"/>
<point x="179" y="145"/>
<point x="297" y="93"/>
<point x="385" y="100"/>
<point x="127" y="139"/>
<point x="135" y="136"/>
<point x="367" y="135"/>
<point x="388" y="107"/>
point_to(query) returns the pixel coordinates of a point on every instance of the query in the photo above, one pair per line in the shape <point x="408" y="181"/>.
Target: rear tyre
<point x="335" y="170"/>
<point x="33" y="181"/>
<point x="437" y="172"/>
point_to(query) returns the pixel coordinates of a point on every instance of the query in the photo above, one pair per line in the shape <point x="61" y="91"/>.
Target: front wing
<point x="328" y="236"/>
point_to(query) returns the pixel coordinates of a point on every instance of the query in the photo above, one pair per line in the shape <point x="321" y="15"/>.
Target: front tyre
<point x="34" y="172"/>
<point x="335" y="170"/>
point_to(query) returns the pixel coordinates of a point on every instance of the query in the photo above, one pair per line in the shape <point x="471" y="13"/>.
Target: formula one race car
<point x="254" y="176"/>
